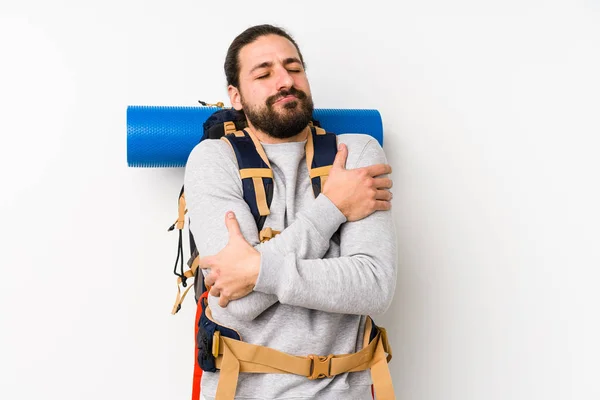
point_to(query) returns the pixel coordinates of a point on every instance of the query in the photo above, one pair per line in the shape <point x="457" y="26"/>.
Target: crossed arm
<point x="249" y="277"/>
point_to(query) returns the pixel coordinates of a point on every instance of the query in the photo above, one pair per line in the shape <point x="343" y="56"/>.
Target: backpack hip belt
<point x="233" y="356"/>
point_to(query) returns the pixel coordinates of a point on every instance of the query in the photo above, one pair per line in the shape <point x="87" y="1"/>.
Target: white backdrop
<point x="491" y="118"/>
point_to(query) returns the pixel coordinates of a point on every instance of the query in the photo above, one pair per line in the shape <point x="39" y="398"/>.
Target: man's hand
<point x="233" y="270"/>
<point x="358" y="193"/>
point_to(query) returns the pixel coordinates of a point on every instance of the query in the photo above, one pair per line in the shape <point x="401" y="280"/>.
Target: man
<point x="309" y="289"/>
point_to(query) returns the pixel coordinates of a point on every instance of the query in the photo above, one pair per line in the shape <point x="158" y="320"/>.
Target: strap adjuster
<point x="215" y="344"/>
<point x="320" y="366"/>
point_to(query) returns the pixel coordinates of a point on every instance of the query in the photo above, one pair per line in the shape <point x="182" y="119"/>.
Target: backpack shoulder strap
<point x="257" y="183"/>
<point x="255" y="172"/>
<point x="321" y="148"/>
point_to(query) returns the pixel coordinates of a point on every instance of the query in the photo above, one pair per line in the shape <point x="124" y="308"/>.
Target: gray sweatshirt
<point x="318" y="279"/>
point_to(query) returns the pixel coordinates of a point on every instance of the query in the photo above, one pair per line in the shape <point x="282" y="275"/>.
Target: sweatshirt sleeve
<point x="213" y="187"/>
<point x="367" y="265"/>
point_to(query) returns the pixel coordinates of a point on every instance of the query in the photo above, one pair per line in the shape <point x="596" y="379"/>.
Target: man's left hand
<point x="233" y="270"/>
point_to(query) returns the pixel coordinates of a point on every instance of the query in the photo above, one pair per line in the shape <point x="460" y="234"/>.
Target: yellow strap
<point x="267" y="234"/>
<point x="386" y="345"/>
<point x="256" y="173"/>
<point x="261" y="197"/>
<point x="259" y="148"/>
<point x="223" y="138"/>
<point x="190" y="273"/>
<point x="380" y="374"/>
<point x="321" y="171"/>
<point x="320" y="131"/>
<point x="179" y="299"/>
<point x="229" y="127"/>
<point x="310" y="152"/>
<point x="181" y="212"/>
<point x="231" y="369"/>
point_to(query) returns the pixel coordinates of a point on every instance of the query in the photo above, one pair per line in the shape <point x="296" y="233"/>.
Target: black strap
<point x="325" y="149"/>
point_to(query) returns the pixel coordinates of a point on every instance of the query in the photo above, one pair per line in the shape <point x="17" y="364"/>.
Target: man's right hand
<point x="358" y="193"/>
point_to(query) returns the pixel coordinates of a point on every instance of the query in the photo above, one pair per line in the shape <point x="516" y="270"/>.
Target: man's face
<point x="274" y="91"/>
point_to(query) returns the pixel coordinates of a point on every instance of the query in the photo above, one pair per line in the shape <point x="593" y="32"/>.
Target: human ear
<point x="234" y="97"/>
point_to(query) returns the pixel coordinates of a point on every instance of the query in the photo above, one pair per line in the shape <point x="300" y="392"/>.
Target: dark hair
<point x="232" y="62"/>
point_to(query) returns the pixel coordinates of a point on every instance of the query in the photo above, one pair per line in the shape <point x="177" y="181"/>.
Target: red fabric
<point x="197" y="369"/>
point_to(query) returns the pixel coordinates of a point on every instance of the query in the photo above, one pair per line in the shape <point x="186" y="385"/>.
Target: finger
<point x="383" y="195"/>
<point x="210" y="279"/>
<point x="205" y="262"/>
<point x="341" y="156"/>
<point x="382" y="183"/>
<point x="382" y="205"/>
<point x="223" y="301"/>
<point x="379" y="169"/>
<point x="231" y="222"/>
<point x="214" y="292"/>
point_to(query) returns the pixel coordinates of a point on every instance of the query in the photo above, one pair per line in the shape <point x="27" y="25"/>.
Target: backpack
<point x="257" y="183"/>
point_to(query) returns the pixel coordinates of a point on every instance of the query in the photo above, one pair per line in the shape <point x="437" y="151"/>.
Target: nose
<point x="284" y="79"/>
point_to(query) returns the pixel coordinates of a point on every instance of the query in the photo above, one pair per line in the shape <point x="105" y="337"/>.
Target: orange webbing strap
<point x="235" y="356"/>
<point x="257" y="175"/>
<point x="380" y="373"/>
<point x="322" y="172"/>
<point x="259" y="148"/>
<point x="188" y="274"/>
<point x="181" y="212"/>
<point x="320" y="131"/>
<point x="267" y="234"/>
<point x="261" y="197"/>
<point x="197" y="370"/>
<point x="229" y="127"/>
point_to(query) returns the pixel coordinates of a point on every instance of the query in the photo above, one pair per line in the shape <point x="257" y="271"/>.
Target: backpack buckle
<point x="320" y="366"/>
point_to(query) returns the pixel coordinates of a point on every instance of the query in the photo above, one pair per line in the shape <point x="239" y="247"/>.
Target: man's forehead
<point x="269" y="48"/>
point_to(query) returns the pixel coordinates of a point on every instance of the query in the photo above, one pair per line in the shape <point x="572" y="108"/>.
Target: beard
<point x="286" y="123"/>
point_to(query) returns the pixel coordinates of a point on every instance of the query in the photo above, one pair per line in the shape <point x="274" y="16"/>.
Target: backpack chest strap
<point x="257" y="175"/>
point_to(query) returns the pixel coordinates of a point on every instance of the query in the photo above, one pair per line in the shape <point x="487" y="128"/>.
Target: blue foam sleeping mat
<point x="164" y="136"/>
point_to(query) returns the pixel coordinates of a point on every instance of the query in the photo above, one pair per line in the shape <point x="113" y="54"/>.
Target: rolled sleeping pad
<point x="164" y="136"/>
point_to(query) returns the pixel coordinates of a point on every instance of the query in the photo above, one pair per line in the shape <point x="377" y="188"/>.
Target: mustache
<point x="299" y="94"/>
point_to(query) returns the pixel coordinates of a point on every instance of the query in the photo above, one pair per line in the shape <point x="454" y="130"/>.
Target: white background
<point x="491" y="118"/>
